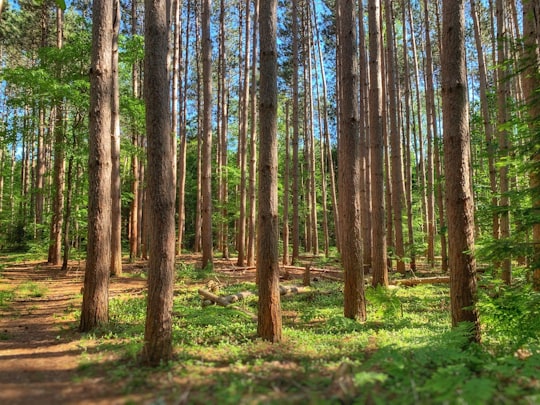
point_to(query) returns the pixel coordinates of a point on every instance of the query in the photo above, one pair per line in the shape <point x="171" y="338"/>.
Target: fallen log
<point x="227" y="300"/>
<point x="224" y="303"/>
<point x="288" y="267"/>
<point x="409" y="282"/>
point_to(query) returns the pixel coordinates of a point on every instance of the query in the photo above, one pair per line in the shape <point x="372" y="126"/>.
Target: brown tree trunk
<point x="486" y="117"/>
<point x="460" y="207"/>
<point x="95" y="305"/>
<point x="286" y="171"/>
<point x="379" y="265"/>
<point x="243" y="113"/>
<point x="183" y="137"/>
<point x="134" y="223"/>
<point x="269" y="318"/>
<point x="365" y="158"/>
<point x="116" y="185"/>
<point x="198" y="57"/>
<point x="161" y="189"/>
<point x="531" y="84"/>
<point x="295" y="137"/>
<point x="55" y="240"/>
<point x="223" y="119"/>
<point x="430" y="129"/>
<point x="252" y="191"/>
<point x="206" y="178"/>
<point x="408" y="147"/>
<point x="395" y="141"/>
<point x="503" y="94"/>
<point x="349" y="164"/>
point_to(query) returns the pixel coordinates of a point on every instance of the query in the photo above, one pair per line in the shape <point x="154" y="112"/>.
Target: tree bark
<point x="379" y="265"/>
<point x="116" y="185"/>
<point x="161" y="189"/>
<point x="269" y="318"/>
<point x="295" y="232"/>
<point x="459" y="198"/>
<point x="242" y="140"/>
<point x="503" y="94"/>
<point x="531" y="84"/>
<point x="349" y="164"/>
<point x="252" y="190"/>
<point x="95" y="305"/>
<point x="395" y="141"/>
<point x="206" y="225"/>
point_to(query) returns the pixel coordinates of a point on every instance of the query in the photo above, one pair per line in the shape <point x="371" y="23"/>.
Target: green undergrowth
<point x="405" y="353"/>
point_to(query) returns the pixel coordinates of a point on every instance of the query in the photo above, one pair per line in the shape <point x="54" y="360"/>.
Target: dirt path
<point x="40" y="349"/>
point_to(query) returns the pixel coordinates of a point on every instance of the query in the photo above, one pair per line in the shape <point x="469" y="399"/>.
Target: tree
<point x="161" y="189"/>
<point x="206" y="178"/>
<point x="531" y="82"/>
<point x="459" y="200"/>
<point x="349" y="164"/>
<point x="269" y="319"/>
<point x="295" y="232"/>
<point x="378" y="260"/>
<point x="55" y="239"/>
<point x="95" y="306"/>
<point x="116" y="185"/>
<point x="398" y="191"/>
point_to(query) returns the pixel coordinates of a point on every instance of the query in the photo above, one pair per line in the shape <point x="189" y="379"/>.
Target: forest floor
<point x="405" y="353"/>
<point x="41" y="350"/>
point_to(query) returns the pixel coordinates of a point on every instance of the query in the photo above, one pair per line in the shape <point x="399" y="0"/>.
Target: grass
<point x="30" y="289"/>
<point x="405" y="353"/>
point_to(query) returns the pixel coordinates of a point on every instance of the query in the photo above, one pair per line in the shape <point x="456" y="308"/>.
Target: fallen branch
<point x="224" y="303"/>
<point x="227" y="300"/>
<point x="426" y="280"/>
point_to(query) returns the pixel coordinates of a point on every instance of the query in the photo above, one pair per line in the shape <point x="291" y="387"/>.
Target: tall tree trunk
<point x="531" y="84"/>
<point x="269" y="319"/>
<point x="349" y="163"/>
<point x="206" y="179"/>
<point x="252" y="192"/>
<point x="327" y="156"/>
<point x="198" y="57"/>
<point x="286" y="187"/>
<point x="408" y="147"/>
<point x="503" y="94"/>
<point x="430" y="129"/>
<point x="116" y="185"/>
<point x="223" y="119"/>
<point x="55" y="240"/>
<point x="380" y="271"/>
<point x="183" y="137"/>
<point x="365" y="158"/>
<point x="95" y="305"/>
<point x="459" y="199"/>
<point x="161" y="189"/>
<point x="134" y="237"/>
<point x="486" y="117"/>
<point x="295" y="137"/>
<point x="395" y="140"/>
<point x="418" y="134"/>
<point x="314" y="231"/>
<point x="243" y="113"/>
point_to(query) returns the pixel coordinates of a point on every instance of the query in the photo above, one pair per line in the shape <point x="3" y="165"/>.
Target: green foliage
<point x="30" y="289"/>
<point x="6" y="296"/>
<point x="510" y="314"/>
<point x="405" y="354"/>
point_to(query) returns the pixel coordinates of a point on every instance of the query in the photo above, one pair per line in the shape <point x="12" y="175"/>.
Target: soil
<point x="41" y="349"/>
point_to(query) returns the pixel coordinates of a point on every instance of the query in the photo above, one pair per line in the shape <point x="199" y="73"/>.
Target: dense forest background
<point x="45" y="54"/>
<point x="191" y="148"/>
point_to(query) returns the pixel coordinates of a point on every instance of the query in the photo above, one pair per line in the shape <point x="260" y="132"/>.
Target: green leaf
<point x="61" y="4"/>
